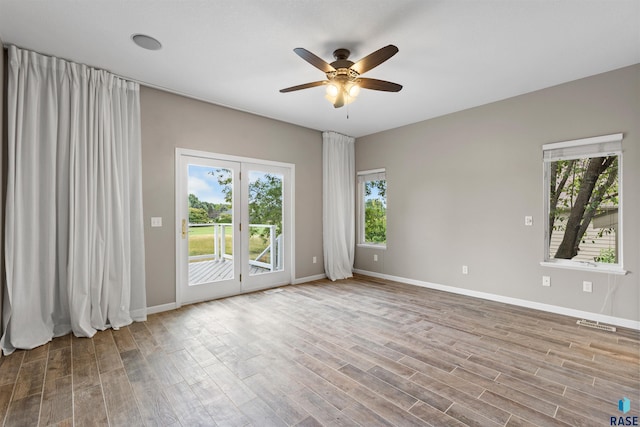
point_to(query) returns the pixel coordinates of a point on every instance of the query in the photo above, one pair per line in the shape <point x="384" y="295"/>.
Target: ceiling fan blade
<point x="375" y="84"/>
<point x="374" y="59"/>
<point x="312" y="59"/>
<point x="303" y="86"/>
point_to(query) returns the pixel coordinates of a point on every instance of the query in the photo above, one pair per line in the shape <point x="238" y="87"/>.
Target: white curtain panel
<point x="338" y="204"/>
<point x="74" y="248"/>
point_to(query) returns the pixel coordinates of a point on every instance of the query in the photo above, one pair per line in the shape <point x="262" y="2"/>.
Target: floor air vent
<point x="596" y="325"/>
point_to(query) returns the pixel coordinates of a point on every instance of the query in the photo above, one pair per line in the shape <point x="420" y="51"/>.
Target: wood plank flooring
<point x="355" y="352"/>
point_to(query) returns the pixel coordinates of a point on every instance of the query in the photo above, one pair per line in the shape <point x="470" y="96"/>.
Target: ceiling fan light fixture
<point x="332" y="90"/>
<point x="341" y="92"/>
<point x="331" y="99"/>
<point x="354" y="90"/>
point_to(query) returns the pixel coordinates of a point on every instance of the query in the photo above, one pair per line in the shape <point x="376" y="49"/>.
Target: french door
<point x="233" y="225"/>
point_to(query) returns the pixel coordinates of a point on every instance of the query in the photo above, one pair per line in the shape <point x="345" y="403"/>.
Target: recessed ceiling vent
<point x="146" y="42"/>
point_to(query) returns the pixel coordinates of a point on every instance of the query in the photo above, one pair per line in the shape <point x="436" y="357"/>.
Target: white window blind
<point x="375" y="175"/>
<point x="587" y="147"/>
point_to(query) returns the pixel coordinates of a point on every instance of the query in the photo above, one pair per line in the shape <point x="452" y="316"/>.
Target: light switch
<point x="156" y="221"/>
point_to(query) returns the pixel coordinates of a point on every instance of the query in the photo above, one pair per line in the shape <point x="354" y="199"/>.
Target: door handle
<point x="184" y="228"/>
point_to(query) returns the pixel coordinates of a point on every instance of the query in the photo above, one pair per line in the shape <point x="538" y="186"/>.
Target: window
<point x="583" y="203"/>
<point x="372" y="208"/>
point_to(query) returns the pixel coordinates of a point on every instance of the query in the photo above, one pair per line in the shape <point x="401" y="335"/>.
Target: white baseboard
<point x="596" y="317"/>
<point x="309" y="279"/>
<point x="139" y="315"/>
<point x="162" y="307"/>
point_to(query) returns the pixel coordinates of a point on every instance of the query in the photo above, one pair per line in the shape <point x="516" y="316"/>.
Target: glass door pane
<point x="208" y="216"/>
<point x="210" y="226"/>
<point x="265" y="200"/>
<point x="266" y="238"/>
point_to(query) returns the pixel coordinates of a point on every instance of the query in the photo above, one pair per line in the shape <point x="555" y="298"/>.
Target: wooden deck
<point x="213" y="271"/>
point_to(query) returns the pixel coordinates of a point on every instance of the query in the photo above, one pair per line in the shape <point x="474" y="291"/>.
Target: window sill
<point x="372" y="246"/>
<point x="595" y="268"/>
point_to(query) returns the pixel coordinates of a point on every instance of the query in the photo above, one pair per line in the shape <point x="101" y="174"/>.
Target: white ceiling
<point x="238" y="53"/>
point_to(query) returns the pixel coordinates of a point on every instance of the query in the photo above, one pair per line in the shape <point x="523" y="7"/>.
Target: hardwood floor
<point x="355" y="352"/>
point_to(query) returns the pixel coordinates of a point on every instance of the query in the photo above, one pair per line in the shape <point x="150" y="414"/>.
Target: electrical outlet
<point x="587" y="286"/>
<point x="465" y="269"/>
<point x="546" y="280"/>
<point x="314" y="260"/>
<point x="528" y="220"/>
<point x="375" y="257"/>
<point x="156" y="221"/>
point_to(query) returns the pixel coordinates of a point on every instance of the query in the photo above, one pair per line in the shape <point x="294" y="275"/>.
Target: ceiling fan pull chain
<point x="348" y="105"/>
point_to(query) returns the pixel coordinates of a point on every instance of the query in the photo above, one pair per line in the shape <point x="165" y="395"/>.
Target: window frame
<point x="361" y="178"/>
<point x="583" y="149"/>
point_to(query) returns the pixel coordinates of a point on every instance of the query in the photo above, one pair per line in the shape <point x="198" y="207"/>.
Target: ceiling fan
<point x="343" y="76"/>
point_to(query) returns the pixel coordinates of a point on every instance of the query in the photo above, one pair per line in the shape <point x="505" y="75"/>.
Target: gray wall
<point x="459" y="187"/>
<point x="170" y="121"/>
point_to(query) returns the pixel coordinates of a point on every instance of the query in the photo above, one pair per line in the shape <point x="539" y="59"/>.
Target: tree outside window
<point x="583" y="201"/>
<point x="372" y="207"/>
<point x="375" y="211"/>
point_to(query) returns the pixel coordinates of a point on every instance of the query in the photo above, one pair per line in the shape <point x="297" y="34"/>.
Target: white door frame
<point x="181" y="274"/>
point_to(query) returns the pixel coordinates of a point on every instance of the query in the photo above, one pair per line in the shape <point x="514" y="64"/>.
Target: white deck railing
<point x="274" y="249"/>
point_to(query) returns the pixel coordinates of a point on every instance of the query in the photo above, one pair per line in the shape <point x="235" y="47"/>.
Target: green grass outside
<point x="198" y="231"/>
<point x="201" y="243"/>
